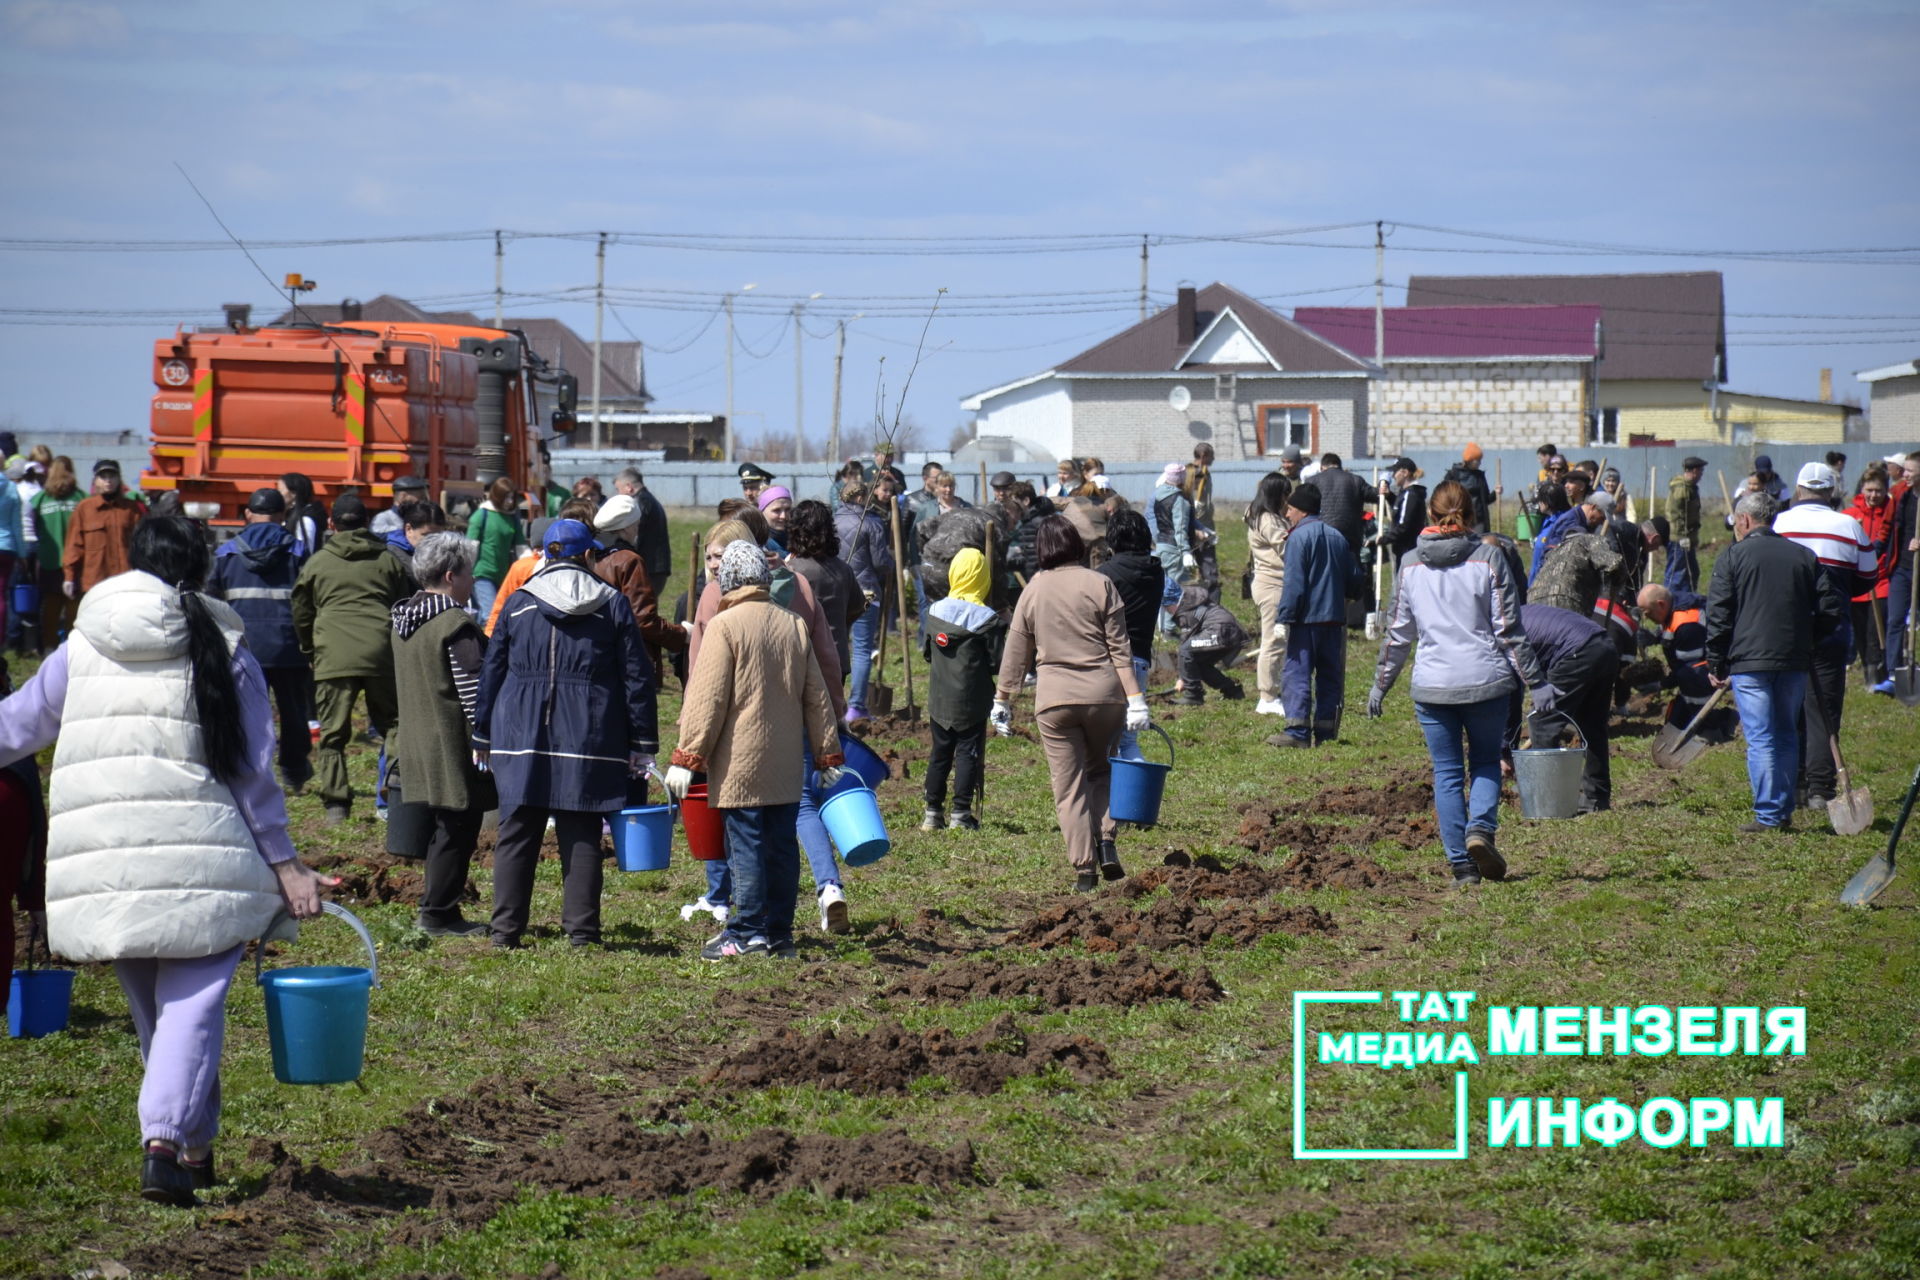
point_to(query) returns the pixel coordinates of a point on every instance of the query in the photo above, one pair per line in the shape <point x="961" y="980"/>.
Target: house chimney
<point x="239" y="315"/>
<point x="349" y="309"/>
<point x="1187" y="323"/>
<point x="1826" y="386"/>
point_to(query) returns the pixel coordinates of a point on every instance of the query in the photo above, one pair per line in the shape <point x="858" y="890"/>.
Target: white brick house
<point x="1246" y="380"/>
<point x="1893" y="402"/>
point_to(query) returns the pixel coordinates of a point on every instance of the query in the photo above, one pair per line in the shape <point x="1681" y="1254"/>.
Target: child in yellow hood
<point x="962" y="643"/>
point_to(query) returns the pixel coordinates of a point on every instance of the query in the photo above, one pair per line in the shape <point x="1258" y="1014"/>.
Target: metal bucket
<point x="1549" y="781"/>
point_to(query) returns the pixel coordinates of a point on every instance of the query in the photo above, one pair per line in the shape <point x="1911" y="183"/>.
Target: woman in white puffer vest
<point x="168" y="847"/>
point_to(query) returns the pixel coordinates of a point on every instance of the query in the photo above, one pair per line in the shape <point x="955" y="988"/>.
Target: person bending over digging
<point x="757" y="702"/>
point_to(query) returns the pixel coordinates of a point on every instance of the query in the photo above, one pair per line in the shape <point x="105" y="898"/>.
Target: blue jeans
<point x="865" y="634"/>
<point x="1466" y="785"/>
<point x="813" y="832"/>
<point x="1769" y="703"/>
<point x="1899" y="598"/>
<point x="1313" y="679"/>
<point x="483" y="594"/>
<point x="1683" y="570"/>
<point x="765" y="860"/>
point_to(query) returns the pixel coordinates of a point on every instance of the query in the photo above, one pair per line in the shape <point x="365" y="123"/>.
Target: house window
<point x="1280" y="425"/>
<point x="1604" y="429"/>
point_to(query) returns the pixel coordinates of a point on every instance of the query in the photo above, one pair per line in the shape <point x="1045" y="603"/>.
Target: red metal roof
<point x="1460" y="333"/>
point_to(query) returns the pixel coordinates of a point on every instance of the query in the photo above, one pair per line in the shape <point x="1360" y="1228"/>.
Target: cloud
<point x="66" y="24"/>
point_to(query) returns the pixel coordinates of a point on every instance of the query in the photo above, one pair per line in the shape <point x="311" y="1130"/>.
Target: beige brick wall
<point x="1896" y="411"/>
<point x="1129" y="419"/>
<point x="1497" y="406"/>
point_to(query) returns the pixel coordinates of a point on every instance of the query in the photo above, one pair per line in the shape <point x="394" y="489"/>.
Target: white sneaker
<point x="834" y="917"/>
<point x="1269" y="707"/>
<point x="693" y="909"/>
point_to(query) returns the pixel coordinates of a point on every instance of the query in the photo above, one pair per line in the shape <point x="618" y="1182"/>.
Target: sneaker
<point x="933" y="820"/>
<point x="718" y="910"/>
<point x="855" y="714"/>
<point x="964" y="821"/>
<point x="1269" y="707"/>
<point x="1486" y="858"/>
<point x="380" y="813"/>
<point x="459" y="929"/>
<point x="1288" y="740"/>
<point x="724" y="946"/>
<point x="783" y="950"/>
<point x="1086" y="881"/>
<point x="1464" y="876"/>
<point x="1885" y="686"/>
<point x="834" y="915"/>
<point x="336" y="814"/>
<point x="1190" y="698"/>
<point x="1818" y="803"/>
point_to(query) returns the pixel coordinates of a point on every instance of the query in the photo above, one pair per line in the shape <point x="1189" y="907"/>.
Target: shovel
<point x="1906" y="681"/>
<point x="1870" y="880"/>
<point x="879" y="692"/>
<point x="1677" y="748"/>
<point x="1851" y="810"/>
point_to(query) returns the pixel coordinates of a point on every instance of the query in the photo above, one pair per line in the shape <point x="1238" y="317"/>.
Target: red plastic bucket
<point x="706" y="828"/>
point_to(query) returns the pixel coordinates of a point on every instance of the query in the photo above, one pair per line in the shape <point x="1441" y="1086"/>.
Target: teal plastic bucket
<point x="863" y="760"/>
<point x="852" y="818"/>
<point x="643" y="837"/>
<point x="1136" y="787"/>
<point x="38" y="1001"/>
<point x="317" y="1015"/>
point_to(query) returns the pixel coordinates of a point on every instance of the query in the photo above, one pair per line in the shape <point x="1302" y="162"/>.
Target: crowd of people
<point x="510" y="661"/>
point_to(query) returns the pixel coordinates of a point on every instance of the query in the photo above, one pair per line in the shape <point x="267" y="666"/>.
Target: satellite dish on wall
<point x="1179" y="398"/>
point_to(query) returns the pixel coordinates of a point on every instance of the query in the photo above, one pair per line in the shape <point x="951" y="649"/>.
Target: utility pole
<point x="1379" y="293"/>
<point x="799" y="399"/>
<point x="727" y="302"/>
<point x="839" y="359"/>
<point x="1143" y="277"/>
<point x="599" y="320"/>
<point x="499" y="281"/>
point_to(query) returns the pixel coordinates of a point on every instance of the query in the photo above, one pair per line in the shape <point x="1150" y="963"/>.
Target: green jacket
<point x="1683" y="507"/>
<point x="53" y="515"/>
<point x="498" y="535"/>
<point x="431" y="750"/>
<point x="342" y="606"/>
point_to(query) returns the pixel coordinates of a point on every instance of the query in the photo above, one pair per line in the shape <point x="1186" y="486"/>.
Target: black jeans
<point x="518" y="853"/>
<point x="1868" y="617"/>
<point x="1206" y="559"/>
<point x="292" y="689"/>
<point x="449" y="858"/>
<point x="958" y="751"/>
<point x="1203" y="666"/>
<point x="1820" y="716"/>
<point x="1585" y="681"/>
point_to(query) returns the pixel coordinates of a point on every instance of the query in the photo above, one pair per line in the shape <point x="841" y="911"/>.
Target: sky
<point x="1693" y="129"/>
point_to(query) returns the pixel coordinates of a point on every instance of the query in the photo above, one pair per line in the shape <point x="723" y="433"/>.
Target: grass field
<point x="980" y="1082"/>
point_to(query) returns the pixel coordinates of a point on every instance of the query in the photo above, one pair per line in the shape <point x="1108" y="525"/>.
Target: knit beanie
<point x="1175" y="474"/>
<point x="742" y="564"/>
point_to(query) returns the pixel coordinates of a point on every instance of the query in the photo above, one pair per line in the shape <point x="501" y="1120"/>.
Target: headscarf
<point x="772" y="494"/>
<point x="742" y="564"/>
<point x="967" y="576"/>
<point x="1175" y="474"/>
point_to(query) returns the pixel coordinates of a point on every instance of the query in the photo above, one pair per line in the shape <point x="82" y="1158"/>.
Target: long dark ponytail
<point x="172" y="550"/>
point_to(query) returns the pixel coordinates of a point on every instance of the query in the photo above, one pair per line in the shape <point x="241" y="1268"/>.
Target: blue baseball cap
<point x="573" y="537"/>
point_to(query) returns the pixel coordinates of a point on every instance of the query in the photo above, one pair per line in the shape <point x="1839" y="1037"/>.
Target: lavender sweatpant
<point x="180" y="1014"/>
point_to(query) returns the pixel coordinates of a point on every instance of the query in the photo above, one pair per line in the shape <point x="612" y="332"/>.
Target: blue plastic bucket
<point x="852" y="818"/>
<point x="317" y="1015"/>
<point x="38" y="1001"/>
<point x="643" y="837"/>
<point x="863" y="760"/>
<point x="1137" y="786"/>
<point x="26" y="598"/>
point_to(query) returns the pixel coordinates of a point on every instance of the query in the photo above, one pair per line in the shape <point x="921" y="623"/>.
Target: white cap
<point x="617" y="513"/>
<point x="1815" y="475"/>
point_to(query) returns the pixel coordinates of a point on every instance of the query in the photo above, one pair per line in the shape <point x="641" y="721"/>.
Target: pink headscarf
<point x="773" y="494"/>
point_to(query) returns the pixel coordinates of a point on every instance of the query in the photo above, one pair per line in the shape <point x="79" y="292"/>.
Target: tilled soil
<point x="889" y="1058"/>
<point x="461" y="1159"/>
<point x="1105" y="925"/>
<point x="1061" y="982"/>
<point x="1310" y="868"/>
<point x="380" y="877"/>
<point x="1265" y="830"/>
<point x="1403" y="793"/>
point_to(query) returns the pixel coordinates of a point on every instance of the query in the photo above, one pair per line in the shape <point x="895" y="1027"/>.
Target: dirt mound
<point x="889" y="1058"/>
<point x="1265" y="829"/>
<point x="1063" y="982"/>
<point x="380" y="878"/>
<point x="1403" y="793"/>
<point x="931" y="933"/>
<point x="461" y="1159"/>
<point x="1174" y="921"/>
<point x="1335" y="869"/>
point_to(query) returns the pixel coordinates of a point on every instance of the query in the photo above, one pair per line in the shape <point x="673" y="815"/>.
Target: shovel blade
<point x="1906" y="685"/>
<point x="879" y="699"/>
<point x="1673" y="750"/>
<point x="1851" y="812"/>
<point x="1868" y="882"/>
<point x="1375" y="627"/>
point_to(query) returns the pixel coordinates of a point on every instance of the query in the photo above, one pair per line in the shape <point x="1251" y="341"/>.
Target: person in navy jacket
<point x="255" y="573"/>
<point x="1322" y="574"/>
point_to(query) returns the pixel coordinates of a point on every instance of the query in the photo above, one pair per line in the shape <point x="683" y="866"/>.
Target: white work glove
<point x="71" y="589"/>
<point x="678" y="780"/>
<point x="1685" y="544"/>
<point x="638" y="762"/>
<point x="480" y="759"/>
<point x="1187" y="561"/>
<point x="1137" y="717"/>
<point x="1001" y="718"/>
<point x="828" y="778"/>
